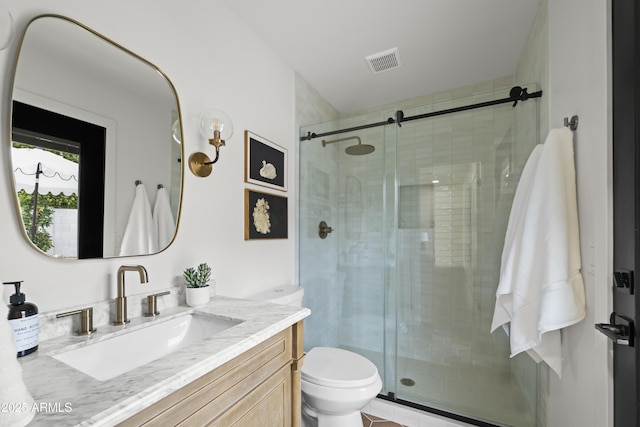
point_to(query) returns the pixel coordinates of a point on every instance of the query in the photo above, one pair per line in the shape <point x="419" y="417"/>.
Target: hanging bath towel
<point x="163" y="219"/>
<point x="541" y="289"/>
<point x="140" y="236"/>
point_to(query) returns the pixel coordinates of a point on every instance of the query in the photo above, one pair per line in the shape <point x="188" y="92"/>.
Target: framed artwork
<point x="265" y="162"/>
<point x="265" y="216"/>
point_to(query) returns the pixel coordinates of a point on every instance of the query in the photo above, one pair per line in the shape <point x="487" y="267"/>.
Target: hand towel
<point x="541" y="289"/>
<point x="13" y="390"/>
<point x="163" y="221"/>
<point x="140" y="237"/>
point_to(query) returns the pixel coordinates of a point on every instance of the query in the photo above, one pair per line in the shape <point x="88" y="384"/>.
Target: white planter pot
<point x="198" y="296"/>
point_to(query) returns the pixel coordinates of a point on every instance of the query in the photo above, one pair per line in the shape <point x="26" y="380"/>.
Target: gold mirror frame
<point x="174" y="180"/>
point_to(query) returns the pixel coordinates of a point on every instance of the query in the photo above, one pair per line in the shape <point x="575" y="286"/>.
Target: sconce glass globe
<point x="216" y="120"/>
<point x="176" y="132"/>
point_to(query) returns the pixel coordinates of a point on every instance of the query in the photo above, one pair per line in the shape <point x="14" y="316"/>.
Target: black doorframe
<point x="626" y="202"/>
<point x="91" y="169"/>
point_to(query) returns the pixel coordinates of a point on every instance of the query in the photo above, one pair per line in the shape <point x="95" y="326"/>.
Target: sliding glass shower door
<point x="408" y="276"/>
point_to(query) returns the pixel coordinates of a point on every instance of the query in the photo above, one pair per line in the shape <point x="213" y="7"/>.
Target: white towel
<point x="140" y="236"/>
<point x="163" y="219"/>
<point x="541" y="288"/>
<point x="13" y="390"/>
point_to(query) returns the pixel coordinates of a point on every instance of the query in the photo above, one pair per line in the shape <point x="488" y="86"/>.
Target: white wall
<point x="214" y="61"/>
<point x="579" y="84"/>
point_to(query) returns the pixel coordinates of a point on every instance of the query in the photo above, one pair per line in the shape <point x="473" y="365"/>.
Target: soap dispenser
<point x="23" y="319"/>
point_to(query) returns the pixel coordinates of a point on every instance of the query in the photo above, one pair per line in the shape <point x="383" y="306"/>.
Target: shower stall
<point x="405" y="266"/>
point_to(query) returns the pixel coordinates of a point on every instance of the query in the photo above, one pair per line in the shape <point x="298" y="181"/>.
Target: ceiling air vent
<point x="384" y="61"/>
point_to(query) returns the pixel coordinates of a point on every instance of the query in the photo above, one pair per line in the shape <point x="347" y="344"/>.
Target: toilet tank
<point x="285" y="295"/>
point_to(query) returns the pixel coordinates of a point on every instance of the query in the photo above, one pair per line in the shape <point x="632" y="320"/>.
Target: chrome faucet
<point x="121" y="299"/>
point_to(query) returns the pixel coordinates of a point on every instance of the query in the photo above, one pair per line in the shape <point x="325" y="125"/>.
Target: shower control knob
<point x="324" y="229"/>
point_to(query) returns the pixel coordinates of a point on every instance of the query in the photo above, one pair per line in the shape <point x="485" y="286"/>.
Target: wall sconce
<point x="216" y="126"/>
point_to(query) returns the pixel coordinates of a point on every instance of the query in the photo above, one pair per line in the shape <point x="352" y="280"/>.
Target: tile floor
<point x="403" y="416"/>
<point x="373" y="421"/>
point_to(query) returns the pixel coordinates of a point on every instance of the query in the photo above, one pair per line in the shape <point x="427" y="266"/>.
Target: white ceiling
<point x="443" y="44"/>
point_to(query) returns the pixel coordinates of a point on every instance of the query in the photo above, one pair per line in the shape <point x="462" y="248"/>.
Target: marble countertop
<point x="67" y="397"/>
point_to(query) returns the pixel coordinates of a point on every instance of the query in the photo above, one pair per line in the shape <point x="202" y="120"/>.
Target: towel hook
<point x="571" y="124"/>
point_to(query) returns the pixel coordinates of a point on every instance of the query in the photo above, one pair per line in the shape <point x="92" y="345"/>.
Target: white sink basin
<point x="114" y="356"/>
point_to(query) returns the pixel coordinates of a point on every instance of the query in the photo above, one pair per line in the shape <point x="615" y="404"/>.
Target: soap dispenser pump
<point x="23" y="319"/>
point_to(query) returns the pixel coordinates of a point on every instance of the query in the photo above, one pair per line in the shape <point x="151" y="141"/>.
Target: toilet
<point x="336" y="384"/>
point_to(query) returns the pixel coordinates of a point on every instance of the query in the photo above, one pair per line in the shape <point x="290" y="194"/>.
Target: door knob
<point x="620" y="329"/>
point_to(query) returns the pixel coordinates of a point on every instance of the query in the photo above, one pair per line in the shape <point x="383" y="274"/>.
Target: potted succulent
<point x="198" y="291"/>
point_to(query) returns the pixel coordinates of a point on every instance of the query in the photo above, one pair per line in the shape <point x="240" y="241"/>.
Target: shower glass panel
<point x="408" y="276"/>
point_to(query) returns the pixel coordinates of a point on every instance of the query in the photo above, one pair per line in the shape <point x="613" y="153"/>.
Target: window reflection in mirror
<point x="75" y="79"/>
<point x="63" y="215"/>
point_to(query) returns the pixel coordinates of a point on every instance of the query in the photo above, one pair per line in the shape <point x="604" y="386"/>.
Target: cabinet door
<point x="268" y="405"/>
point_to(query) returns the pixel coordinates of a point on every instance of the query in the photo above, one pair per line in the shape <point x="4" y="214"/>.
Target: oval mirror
<point x="95" y="145"/>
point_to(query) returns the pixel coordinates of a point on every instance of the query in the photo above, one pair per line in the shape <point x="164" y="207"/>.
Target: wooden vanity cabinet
<point x="261" y="387"/>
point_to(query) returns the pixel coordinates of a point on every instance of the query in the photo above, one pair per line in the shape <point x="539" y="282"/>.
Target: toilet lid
<point x="335" y="367"/>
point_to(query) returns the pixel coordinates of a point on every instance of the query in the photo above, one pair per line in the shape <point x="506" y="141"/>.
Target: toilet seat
<point x="335" y="367"/>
